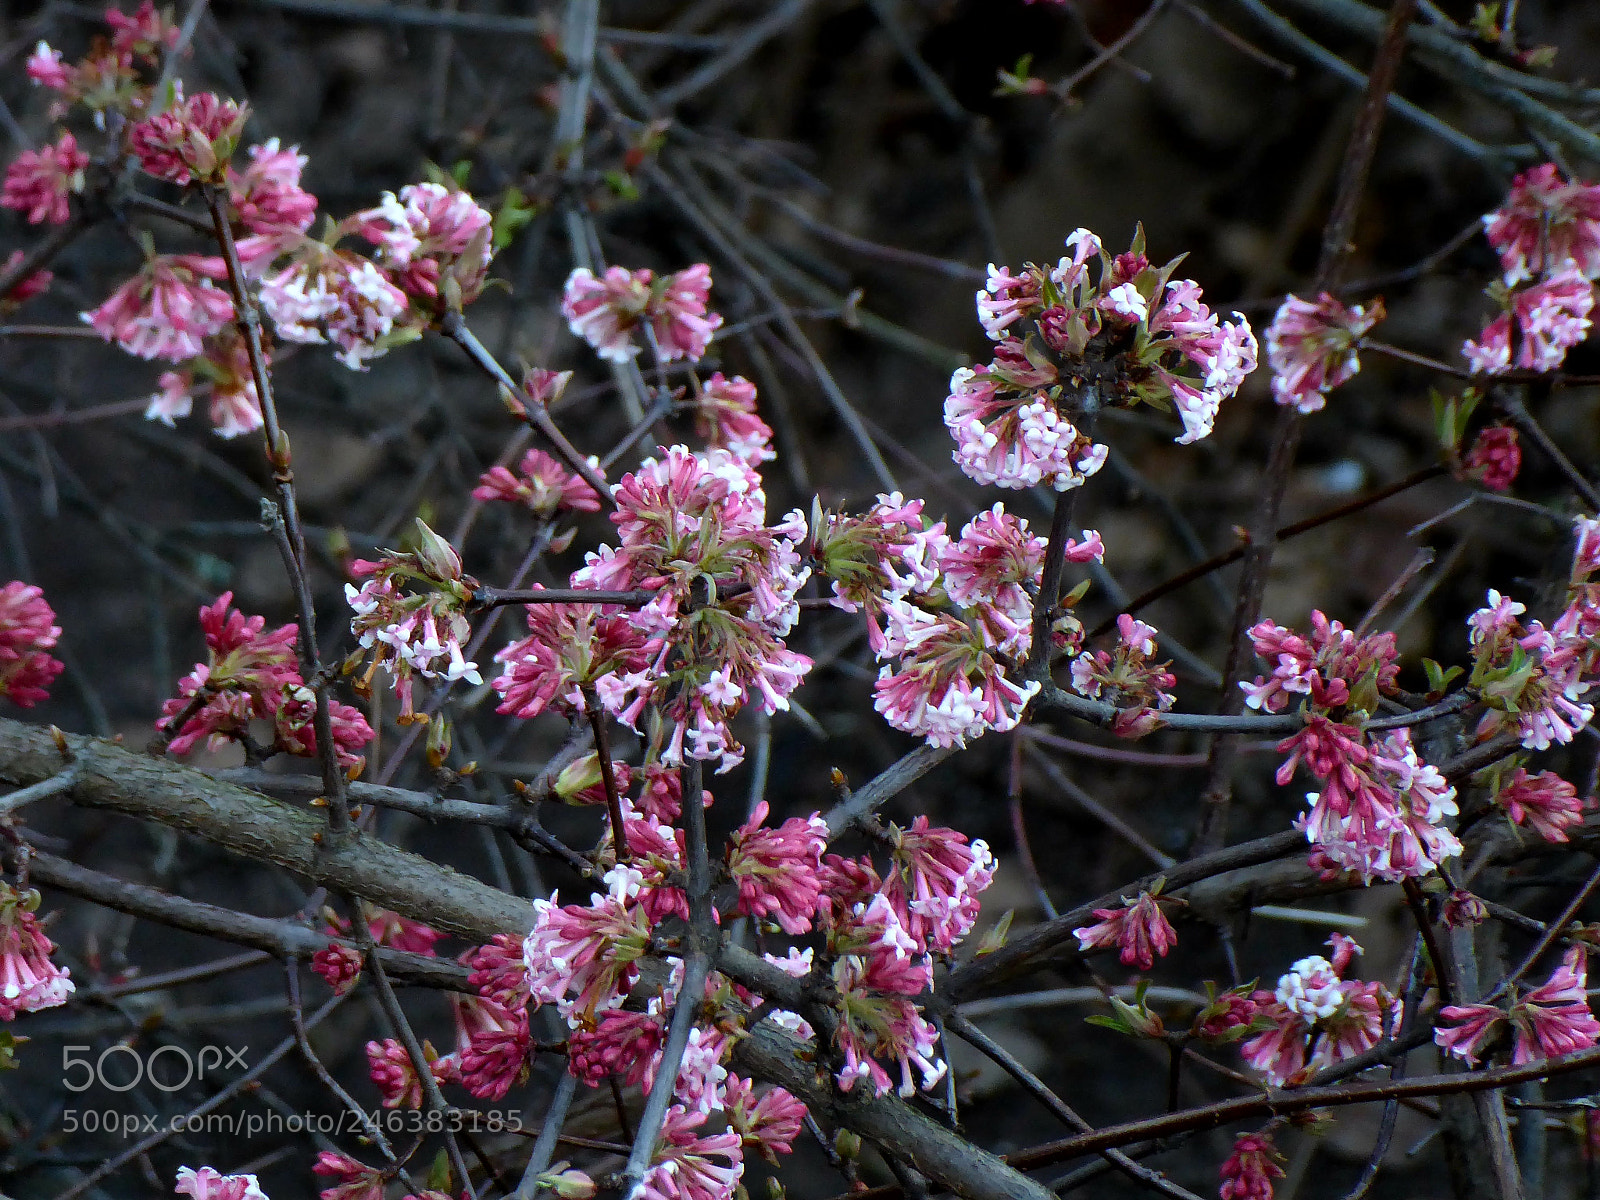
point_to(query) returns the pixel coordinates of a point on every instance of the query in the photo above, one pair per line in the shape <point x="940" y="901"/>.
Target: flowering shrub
<point x="729" y="965"/>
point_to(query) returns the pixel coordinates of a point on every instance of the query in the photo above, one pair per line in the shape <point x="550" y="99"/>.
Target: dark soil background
<point x="841" y="131"/>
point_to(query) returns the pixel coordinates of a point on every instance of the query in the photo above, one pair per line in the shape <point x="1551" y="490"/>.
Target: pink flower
<point x="492" y="1046"/>
<point x="1250" y="1169"/>
<point x="1462" y="910"/>
<point x="1545" y="221"/>
<point x="245" y="677"/>
<point x="886" y="554"/>
<point x="207" y="1184"/>
<point x="725" y="416"/>
<point x="1127" y="677"/>
<point x="1311" y="347"/>
<point x="678" y="316"/>
<point x="1495" y="457"/>
<point x="353" y="1180"/>
<point x="1466" y="1040"/>
<point x="604" y="312"/>
<point x="947" y="685"/>
<point x="588" y="949"/>
<point x="621" y="1043"/>
<point x="1551" y="316"/>
<point x="25" y="288"/>
<point x="690" y="1166"/>
<point x="499" y="971"/>
<point x="541" y="484"/>
<point x="431" y="237"/>
<point x="661" y="796"/>
<point x="1139" y="929"/>
<point x="267" y="194"/>
<point x="45" y="67"/>
<point x="569" y="647"/>
<point x="770" y="1124"/>
<point x="233" y="405"/>
<point x="294" y="722"/>
<point x="777" y="869"/>
<point x="167" y="310"/>
<point x="1317" y="1018"/>
<point x="1545" y="801"/>
<point x="390" y="1068"/>
<point x="27" y="631"/>
<point x="1332" y="667"/>
<point x="339" y="965"/>
<point x="389" y="928"/>
<point x="194" y="139"/>
<point x="935" y="883"/>
<point x="991" y="569"/>
<point x="29" y="981"/>
<point x="1554" y="1019"/>
<point x="326" y="295"/>
<point x="39" y="183"/>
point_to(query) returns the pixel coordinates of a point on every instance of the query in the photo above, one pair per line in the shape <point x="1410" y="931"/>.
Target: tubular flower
<point x="414" y="633"/>
<point x="1250" y="1169"/>
<point x="1127" y="677"/>
<point x="588" y="949"/>
<point x="990" y="569"/>
<point x="1317" y="1018"/>
<point x="1544" y="222"/>
<point x="935" y="883"/>
<point x="1549" y="318"/>
<point x="884" y="555"/>
<point x="1139" y="929"/>
<point x="339" y="965"/>
<point x="725" y="417"/>
<point x="689" y="1166"/>
<point x="1470" y="1036"/>
<point x="1531" y="676"/>
<point x="499" y="971"/>
<point x="541" y="484"/>
<point x="167" y="309"/>
<point x="768" y="1124"/>
<point x="620" y="1043"/>
<point x="25" y="288"/>
<point x="352" y="1180"/>
<point x="1554" y="1018"/>
<point x="233" y="405"/>
<point x="569" y="648"/>
<point x="40" y="183"/>
<point x="192" y="140"/>
<point x="27" y="631"/>
<point x="777" y="870"/>
<point x="1546" y="802"/>
<point x="1331" y="667"/>
<point x="947" y="685"/>
<point x="492" y="1046"/>
<point x="605" y="312"/>
<point x="1381" y="811"/>
<point x="29" y="981"/>
<point x="390" y="1067"/>
<point x="1495" y="458"/>
<point x="244" y="676"/>
<point x="431" y="238"/>
<point x="207" y="1184"/>
<point x="1311" y="348"/>
<point x="327" y="295"/>
<point x="875" y="974"/>
<point x="267" y="194"/>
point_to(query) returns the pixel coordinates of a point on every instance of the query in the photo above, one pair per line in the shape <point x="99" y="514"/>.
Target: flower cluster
<point x="40" y="183"/>
<point x="1138" y="929"/>
<point x="1550" y="1020"/>
<point x="29" y="981"/>
<point x="108" y="78"/>
<point x="433" y="243"/>
<point x="1126" y="333"/>
<point x="1547" y="234"/>
<point x="413" y="632"/>
<point x="1127" y="676"/>
<point x="208" y="1184"/>
<point x="540" y="484"/>
<point x="252" y="674"/>
<point x="1249" y="1171"/>
<point x="27" y="634"/>
<point x="671" y="309"/>
<point x="1311" y="347"/>
<point x="1318" y="1018"/>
